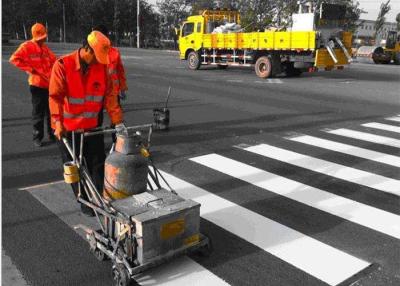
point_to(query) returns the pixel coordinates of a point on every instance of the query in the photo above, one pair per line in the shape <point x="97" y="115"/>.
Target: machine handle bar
<point x="113" y="130"/>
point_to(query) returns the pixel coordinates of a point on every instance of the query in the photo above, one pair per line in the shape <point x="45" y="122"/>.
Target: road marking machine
<point x="142" y="225"/>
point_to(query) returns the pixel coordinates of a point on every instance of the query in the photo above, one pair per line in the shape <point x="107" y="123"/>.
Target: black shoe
<point x="52" y="138"/>
<point x="37" y="143"/>
<point x="87" y="211"/>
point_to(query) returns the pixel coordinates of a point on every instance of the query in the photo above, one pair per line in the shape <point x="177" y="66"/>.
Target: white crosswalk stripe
<point x="356" y="212"/>
<point x="58" y="198"/>
<point x="394" y="118"/>
<point x="349" y="174"/>
<point x="313" y="257"/>
<point x="381" y="126"/>
<point x="366" y="137"/>
<point x="348" y="149"/>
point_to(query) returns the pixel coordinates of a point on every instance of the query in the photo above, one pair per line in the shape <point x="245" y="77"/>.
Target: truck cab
<point x="190" y="35"/>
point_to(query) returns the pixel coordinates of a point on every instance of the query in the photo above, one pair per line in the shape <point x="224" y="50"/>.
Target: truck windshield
<point x="188" y="29"/>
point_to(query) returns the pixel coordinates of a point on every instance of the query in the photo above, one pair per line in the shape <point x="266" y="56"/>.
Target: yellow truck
<point x="315" y="41"/>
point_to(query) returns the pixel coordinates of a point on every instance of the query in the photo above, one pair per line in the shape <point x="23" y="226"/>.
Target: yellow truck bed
<point x="260" y="41"/>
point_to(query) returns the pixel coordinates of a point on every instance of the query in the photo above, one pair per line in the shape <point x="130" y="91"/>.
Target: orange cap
<point x="100" y="45"/>
<point x="38" y="32"/>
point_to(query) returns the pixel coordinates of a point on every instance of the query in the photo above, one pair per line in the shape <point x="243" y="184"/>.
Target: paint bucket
<point x="161" y="118"/>
<point x="161" y="115"/>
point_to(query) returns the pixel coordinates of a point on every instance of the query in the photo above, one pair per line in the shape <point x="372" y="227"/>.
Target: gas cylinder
<point x="126" y="168"/>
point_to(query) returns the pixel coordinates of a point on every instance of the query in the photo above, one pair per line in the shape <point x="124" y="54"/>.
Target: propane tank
<point x="126" y="168"/>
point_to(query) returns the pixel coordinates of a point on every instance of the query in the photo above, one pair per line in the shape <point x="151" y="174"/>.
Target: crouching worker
<point x="80" y="87"/>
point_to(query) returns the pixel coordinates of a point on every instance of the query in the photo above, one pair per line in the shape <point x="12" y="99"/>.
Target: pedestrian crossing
<point x="339" y="171"/>
<point x="394" y="118"/>
<point x="323" y="261"/>
<point x="382" y="126"/>
<point x="372" y="138"/>
<point x="349" y="150"/>
<point x="356" y="212"/>
<point x="313" y="257"/>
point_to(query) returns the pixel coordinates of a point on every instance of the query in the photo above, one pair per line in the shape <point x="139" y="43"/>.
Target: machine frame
<point x="117" y="238"/>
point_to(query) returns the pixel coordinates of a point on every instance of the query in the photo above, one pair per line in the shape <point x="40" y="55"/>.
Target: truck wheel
<point x="193" y="60"/>
<point x="263" y="67"/>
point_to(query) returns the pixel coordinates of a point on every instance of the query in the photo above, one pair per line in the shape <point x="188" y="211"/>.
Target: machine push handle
<point x="99" y="131"/>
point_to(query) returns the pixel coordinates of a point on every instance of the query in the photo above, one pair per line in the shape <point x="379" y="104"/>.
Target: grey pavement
<point x="211" y="112"/>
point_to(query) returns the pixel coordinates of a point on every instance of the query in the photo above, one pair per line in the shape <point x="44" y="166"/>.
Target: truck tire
<point x="193" y="60"/>
<point x="263" y="67"/>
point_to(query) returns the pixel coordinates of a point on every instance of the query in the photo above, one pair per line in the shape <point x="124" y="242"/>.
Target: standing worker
<point x="80" y="87"/>
<point x="116" y="71"/>
<point x="115" y="67"/>
<point x="35" y="58"/>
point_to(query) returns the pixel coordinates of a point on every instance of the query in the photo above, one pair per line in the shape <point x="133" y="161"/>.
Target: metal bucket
<point x="161" y="118"/>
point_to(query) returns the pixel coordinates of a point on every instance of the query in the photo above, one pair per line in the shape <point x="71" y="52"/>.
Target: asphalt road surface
<point x="298" y="177"/>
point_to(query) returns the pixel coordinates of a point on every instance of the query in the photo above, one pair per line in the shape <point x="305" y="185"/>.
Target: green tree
<point x="380" y="20"/>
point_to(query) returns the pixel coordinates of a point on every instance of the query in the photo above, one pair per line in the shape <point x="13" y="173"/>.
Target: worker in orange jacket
<point x="116" y="70"/>
<point x="80" y="86"/>
<point x="35" y="58"/>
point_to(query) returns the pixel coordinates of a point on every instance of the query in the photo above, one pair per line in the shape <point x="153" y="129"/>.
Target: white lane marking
<point x="235" y="80"/>
<point x="41" y="185"/>
<point x="366" y="137"/>
<point x="381" y="126"/>
<point x="342" y="172"/>
<point x="59" y="199"/>
<point x="269" y="80"/>
<point x="353" y="211"/>
<point x="349" y="149"/>
<point x="394" y="118"/>
<point x="131" y="57"/>
<point x="308" y="254"/>
<point x="10" y="275"/>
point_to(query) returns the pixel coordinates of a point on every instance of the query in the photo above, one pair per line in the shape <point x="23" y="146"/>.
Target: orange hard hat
<point x="38" y="32"/>
<point x="100" y="45"/>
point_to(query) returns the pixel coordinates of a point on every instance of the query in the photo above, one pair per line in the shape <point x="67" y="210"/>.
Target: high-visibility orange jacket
<point x="76" y="98"/>
<point x="116" y="70"/>
<point x="36" y="61"/>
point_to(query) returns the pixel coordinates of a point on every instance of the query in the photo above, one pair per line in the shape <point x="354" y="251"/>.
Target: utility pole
<point x="138" y="24"/>
<point x="64" y="35"/>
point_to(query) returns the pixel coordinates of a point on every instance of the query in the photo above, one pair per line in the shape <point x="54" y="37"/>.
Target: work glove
<point x="122" y="95"/>
<point x="121" y="128"/>
<point x="59" y="131"/>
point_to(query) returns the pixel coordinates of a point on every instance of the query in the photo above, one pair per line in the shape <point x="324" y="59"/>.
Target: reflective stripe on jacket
<point x="36" y="60"/>
<point x="76" y="98"/>
<point x="116" y="70"/>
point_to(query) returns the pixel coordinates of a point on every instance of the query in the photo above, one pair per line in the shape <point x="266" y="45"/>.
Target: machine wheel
<point x="263" y="67"/>
<point x="206" y="250"/>
<point x="121" y="276"/>
<point x="100" y="255"/>
<point x="193" y="60"/>
<point x="222" y="67"/>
